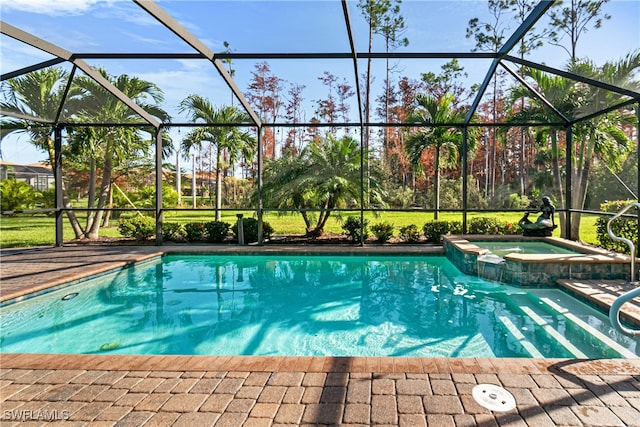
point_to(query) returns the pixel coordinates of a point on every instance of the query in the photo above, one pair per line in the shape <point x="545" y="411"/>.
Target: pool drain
<point x="493" y="397"/>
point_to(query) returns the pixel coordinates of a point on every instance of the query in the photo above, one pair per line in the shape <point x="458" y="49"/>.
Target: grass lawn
<point x="35" y="230"/>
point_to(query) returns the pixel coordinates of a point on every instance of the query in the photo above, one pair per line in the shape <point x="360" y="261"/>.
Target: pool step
<point x="575" y="320"/>
<point x="560" y="339"/>
<point x="602" y="293"/>
<point x="545" y="314"/>
<point x="519" y="336"/>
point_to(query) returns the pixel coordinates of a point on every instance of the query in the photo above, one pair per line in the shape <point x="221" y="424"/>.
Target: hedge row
<point x="432" y="230"/>
<point x="144" y="227"/>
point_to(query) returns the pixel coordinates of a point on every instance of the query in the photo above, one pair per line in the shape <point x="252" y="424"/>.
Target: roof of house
<point x="34" y="168"/>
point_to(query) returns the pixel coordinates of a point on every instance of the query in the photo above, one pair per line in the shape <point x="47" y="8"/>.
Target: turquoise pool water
<point x="307" y="305"/>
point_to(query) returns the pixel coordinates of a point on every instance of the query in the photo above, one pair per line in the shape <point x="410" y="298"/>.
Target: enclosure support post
<point x="158" y="136"/>
<point x="465" y="144"/>
<point x="57" y="174"/>
<point x="638" y="169"/>
<point x="362" y="177"/>
<point x="259" y="207"/>
<point x="568" y="184"/>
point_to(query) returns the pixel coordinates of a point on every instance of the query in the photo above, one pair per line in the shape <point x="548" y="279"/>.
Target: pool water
<point x="533" y="247"/>
<point x="307" y="305"/>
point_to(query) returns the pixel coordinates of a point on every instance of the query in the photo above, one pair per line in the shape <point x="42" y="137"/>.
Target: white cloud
<point x="51" y="7"/>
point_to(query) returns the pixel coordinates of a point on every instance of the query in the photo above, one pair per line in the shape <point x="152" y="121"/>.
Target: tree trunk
<point x="324" y="216"/>
<point x="178" y="178"/>
<point x="107" y="215"/>
<point x="91" y="192"/>
<point x="66" y="201"/>
<point x="307" y="221"/>
<point x="210" y="171"/>
<point x="73" y="220"/>
<point x="581" y="184"/>
<point x="94" y="232"/>
<point x="194" y="183"/>
<point x="557" y="178"/>
<point x="386" y="130"/>
<point x="367" y="113"/>
<point x="493" y="143"/>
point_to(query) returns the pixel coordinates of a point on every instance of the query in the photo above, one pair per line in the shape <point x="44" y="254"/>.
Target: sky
<point x="267" y="26"/>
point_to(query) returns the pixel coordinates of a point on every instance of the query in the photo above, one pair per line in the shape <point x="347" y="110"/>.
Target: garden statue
<point x="544" y="225"/>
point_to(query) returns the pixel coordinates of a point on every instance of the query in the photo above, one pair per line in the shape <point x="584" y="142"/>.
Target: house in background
<point x="37" y="175"/>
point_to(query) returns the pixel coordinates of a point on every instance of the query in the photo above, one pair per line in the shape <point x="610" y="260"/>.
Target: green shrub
<point x="400" y="197"/>
<point x="383" y="231"/>
<point x="267" y="230"/>
<point x="354" y="229"/>
<point x="172" y="231"/>
<point x="194" y="231"/>
<point x="48" y="198"/>
<point x="16" y="195"/>
<point x="455" y="227"/>
<point x="216" y="231"/>
<point x="621" y="227"/>
<point x="138" y="227"/>
<point x="250" y="228"/>
<point x="485" y="225"/>
<point x="516" y="201"/>
<point x="510" y="228"/>
<point x="410" y="233"/>
<point x="145" y="197"/>
<point x="434" y="230"/>
<point x="615" y="206"/>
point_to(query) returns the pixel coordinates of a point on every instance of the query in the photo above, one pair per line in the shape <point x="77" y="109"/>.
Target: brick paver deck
<point x="123" y="390"/>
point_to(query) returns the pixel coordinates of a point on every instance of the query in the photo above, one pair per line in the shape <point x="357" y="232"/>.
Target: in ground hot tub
<point x="533" y="261"/>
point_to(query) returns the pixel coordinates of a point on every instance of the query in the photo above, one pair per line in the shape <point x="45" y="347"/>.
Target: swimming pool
<point x="307" y="305"/>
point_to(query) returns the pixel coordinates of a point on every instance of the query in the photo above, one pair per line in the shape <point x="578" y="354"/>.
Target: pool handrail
<point x="614" y="311"/>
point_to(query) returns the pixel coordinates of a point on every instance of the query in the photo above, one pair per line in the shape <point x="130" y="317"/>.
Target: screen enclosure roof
<point x="215" y="49"/>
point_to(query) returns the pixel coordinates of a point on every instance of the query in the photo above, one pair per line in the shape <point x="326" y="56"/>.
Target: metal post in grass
<point x="240" y="230"/>
<point x="158" y="171"/>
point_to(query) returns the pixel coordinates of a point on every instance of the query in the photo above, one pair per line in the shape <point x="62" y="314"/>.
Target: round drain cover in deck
<point x="493" y="397"/>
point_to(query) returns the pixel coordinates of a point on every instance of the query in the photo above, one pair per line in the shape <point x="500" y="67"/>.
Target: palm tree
<point x="446" y="141"/>
<point x="560" y="93"/>
<point x="38" y="94"/>
<point x="601" y="137"/>
<point x="231" y="139"/>
<point x="115" y="145"/>
<point x="325" y="176"/>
